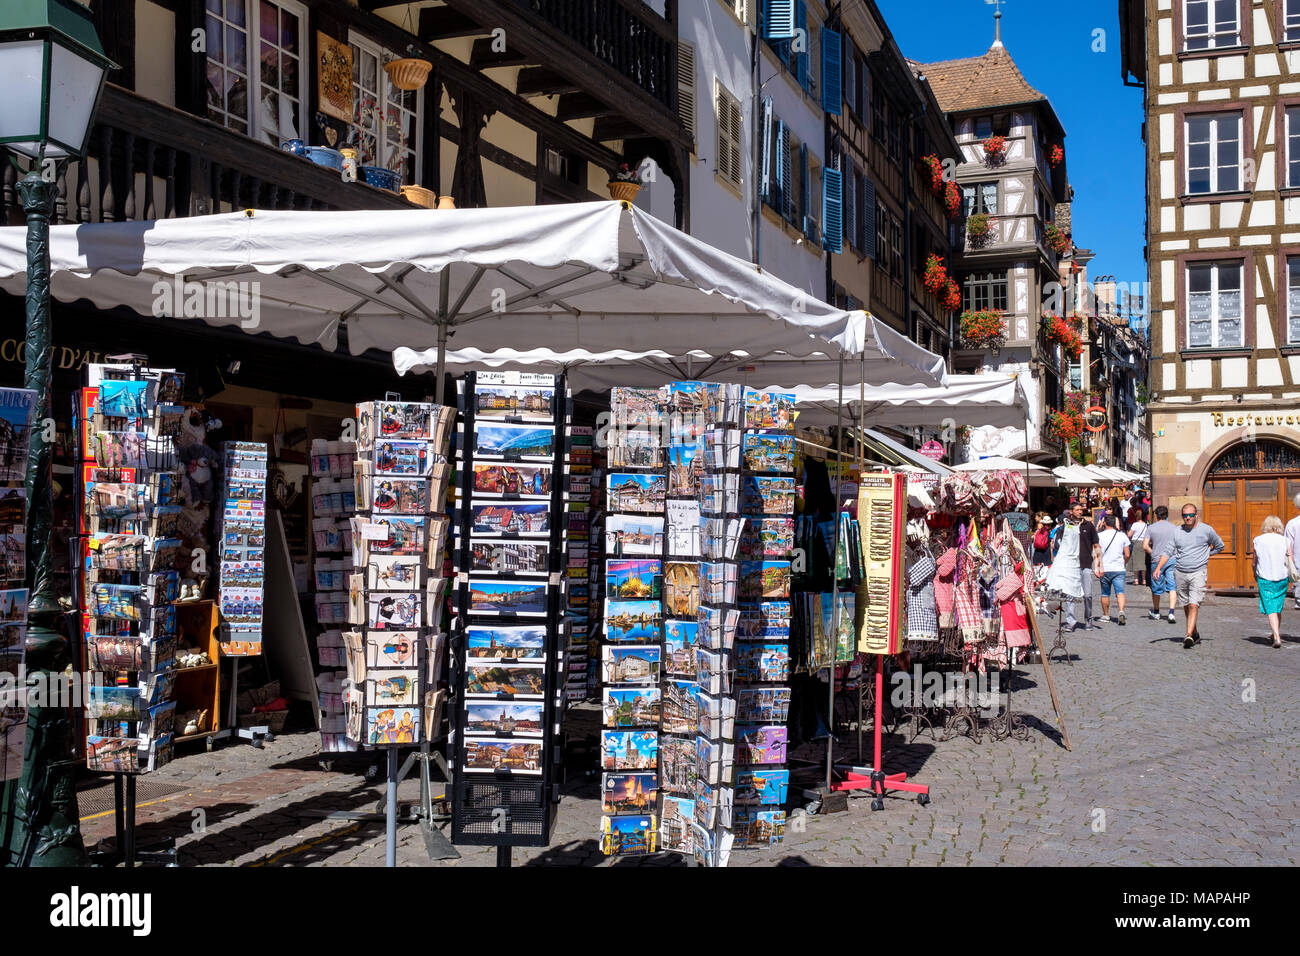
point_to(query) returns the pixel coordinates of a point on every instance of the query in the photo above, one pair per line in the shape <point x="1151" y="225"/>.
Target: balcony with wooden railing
<point x="149" y="161"/>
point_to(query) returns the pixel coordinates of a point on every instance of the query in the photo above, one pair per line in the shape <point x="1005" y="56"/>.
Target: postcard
<point x="513" y="441"/>
<point x="118" y="601"/>
<point x="684" y="528"/>
<point x="509" y="557"/>
<point x="119" y="501"/>
<point x="624" y="455"/>
<point x="722" y="448"/>
<point x="711" y="672"/>
<point x="396" y="611"/>
<point x="514" y="679"/>
<point x="629" y="792"/>
<point x="766" y="705"/>
<point x="713" y="761"/>
<point x="630" y="491"/>
<point x="490" y="754"/>
<point x="718" y="585"/>
<point x="392" y="688"/>
<point x="762" y="663"/>
<point x="532" y="518"/>
<point x="628" y="835"/>
<point x="770" y="620"/>
<point x="767" y="538"/>
<point x="639" y="579"/>
<point x="526" y="642"/>
<point x="525" y="403"/>
<point x="628" y="535"/>
<point x="721" y="538"/>
<point x="631" y="706"/>
<point x="631" y="664"/>
<point x="684" y="468"/>
<point x="633" y="621"/>
<point x="439" y="525"/>
<point x="772" y="410"/>
<point x="762" y="744"/>
<point x="494" y="717"/>
<point x="717" y="717"/>
<point x="636" y="406"/>
<point x="764" y="580"/>
<point x="718" y="627"/>
<point x="124" y="449"/>
<point x="675" y="830"/>
<point x="392" y="725"/>
<point x="393" y="572"/>
<point x="490" y="596"/>
<point x="124" y="399"/>
<point x="713" y="805"/>
<point x="769" y="451"/>
<point x="769" y="496"/>
<point x="629" y="749"/>
<point x="410" y="420"/>
<point x="757" y="787"/>
<point x="677" y="770"/>
<point x="682" y="588"/>
<point x="112" y="754"/>
<point x="410" y="458"/>
<point x="525" y="481"/>
<point x="435" y="702"/>
<point x="681" y="708"/>
<point x="719" y="493"/>
<point x="399" y="496"/>
<point x="110" y="702"/>
<point x="115" y="653"/>
<point x="405" y="535"/>
<point x="754" y="827"/>
<point x="682" y="638"/>
<point x="17" y="406"/>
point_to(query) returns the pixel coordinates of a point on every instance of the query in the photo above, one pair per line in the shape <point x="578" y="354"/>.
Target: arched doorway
<point x="1245" y="484"/>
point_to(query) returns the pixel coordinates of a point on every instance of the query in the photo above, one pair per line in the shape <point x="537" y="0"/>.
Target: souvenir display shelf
<point x="578" y="607"/>
<point x="508" y="634"/>
<point x="17" y="406"/>
<point x="333" y="502"/>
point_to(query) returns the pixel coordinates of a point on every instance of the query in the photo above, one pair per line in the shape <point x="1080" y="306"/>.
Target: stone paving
<point x="1180" y="757"/>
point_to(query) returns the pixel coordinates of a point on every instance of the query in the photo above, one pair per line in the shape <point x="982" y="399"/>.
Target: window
<point x="1293" y="300"/>
<point x="850" y="76"/>
<point x="1214" y="305"/>
<point x="256" y="75"/>
<point x="984" y="292"/>
<point x="980" y="198"/>
<point x="1293" y="146"/>
<point x="895" y="247"/>
<point x="798" y="63"/>
<point x="1213" y="153"/>
<point x="983" y="127"/>
<point x="896" y="135"/>
<point x="727" y="111"/>
<point x="882" y="235"/>
<point x="1291" y="21"/>
<point x="1210" y="24"/>
<point x="385" y="120"/>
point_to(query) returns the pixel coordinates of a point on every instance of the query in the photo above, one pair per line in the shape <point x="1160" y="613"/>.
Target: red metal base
<point x="856" y="780"/>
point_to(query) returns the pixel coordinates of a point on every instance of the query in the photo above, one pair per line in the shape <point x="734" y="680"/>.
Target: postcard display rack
<point x="17" y="406"/>
<point x="394" y="651"/>
<point x="509" y="634"/>
<point x="243" y="548"/>
<point x="700" y="501"/>
<point x="143" y="516"/>
<point x="580" y="556"/>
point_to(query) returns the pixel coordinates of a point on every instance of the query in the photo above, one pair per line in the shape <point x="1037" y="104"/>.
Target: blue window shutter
<point x="778" y="167"/>
<point x="833" y="210"/>
<point x="864" y="94"/>
<point x="805" y="189"/>
<point x="868" y="217"/>
<point x="765" y="161"/>
<point x="787" y="178"/>
<point x="802" y="59"/>
<point x="778" y="19"/>
<point x="850" y="205"/>
<point x="832" y="94"/>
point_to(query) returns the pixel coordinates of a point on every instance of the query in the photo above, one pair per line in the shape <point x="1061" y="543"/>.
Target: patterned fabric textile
<point x="922" y="617"/>
<point x="944" y="588"/>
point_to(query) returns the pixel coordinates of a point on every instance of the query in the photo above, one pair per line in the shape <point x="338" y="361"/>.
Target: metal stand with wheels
<point x="873" y="778"/>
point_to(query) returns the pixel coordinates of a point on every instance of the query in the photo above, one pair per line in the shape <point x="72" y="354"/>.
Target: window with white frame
<point x="1213" y="153"/>
<point x="1210" y="24"/>
<point x="385" y="119"/>
<point x="980" y="198"/>
<point x="256" y="72"/>
<point x="1293" y="300"/>
<point x="1291" y="21"/>
<point x="1293" y="146"/>
<point x="727" y="113"/>
<point x="1214" y="305"/>
<point x="980" y="292"/>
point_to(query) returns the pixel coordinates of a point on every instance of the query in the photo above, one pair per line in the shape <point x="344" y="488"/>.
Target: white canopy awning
<point x="1036" y="475"/>
<point x="584" y="276"/>
<point x="990" y="399"/>
<point x="1070" y="475"/>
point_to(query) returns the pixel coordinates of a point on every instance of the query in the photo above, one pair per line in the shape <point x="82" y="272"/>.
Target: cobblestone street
<point x="1181" y="757"/>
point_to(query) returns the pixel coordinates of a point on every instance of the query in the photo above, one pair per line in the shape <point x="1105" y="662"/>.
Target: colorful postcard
<point x="719" y="493"/>
<point x="399" y="496"/>
<point x="623" y="454"/>
<point x="764" y="580"/>
<point x="17" y="406"/>
<point x="754" y="827"/>
<point x="677" y="769"/>
<point x="393" y="572"/>
<point x="761" y="744"/>
<point x="411" y="458"/>
<point x="526" y="642"/>
<point x="120" y="449"/>
<point x="640" y="579"/>
<point x="488" y="596"/>
<point x="392" y="688"/>
<point x="684" y="468"/>
<point x="681" y="706"/>
<point x="515" y="679"/>
<point x="399" y="611"/>
<point x="631" y="707"/>
<point x="115" y="653"/>
<point x="124" y="399"/>
<point x="766" y="705"/>
<point x="682" y="640"/>
<point x="681" y="588"/>
<point x="762" y="663"/>
<point x="391" y="649"/>
<point x="509" y="557"/>
<point x="628" y="835"/>
<point x="405" y="535"/>
<point x="118" y="601"/>
<point x="768" y="451"/>
<point x="392" y="725"/>
<point x="633" y="620"/>
<point x="630" y="664"/>
<point x="513" y="441"/>
<point x="531" y="518"/>
<point x="527" y="403"/>
<point x="757" y="787"/>
<point x="675" y="830"/>
<point x="112" y="754"/>
<point x="494" y="717"/>
<point x="119" y="501"/>
<point x="767" y="538"/>
<point x="774" y="410"/>
<point x="636" y="406"/>
<point x="718" y="583"/>
<point x="631" y="491"/>
<point x="499" y="478"/>
<point x="629" y="792"/>
<point x="629" y="749"/>
<point x="770" y="620"/>
<point x="627" y="535"/>
<point x="110" y="702"/>
<point x="490" y="754"/>
<point x="405" y="419"/>
<point x="769" y="496"/>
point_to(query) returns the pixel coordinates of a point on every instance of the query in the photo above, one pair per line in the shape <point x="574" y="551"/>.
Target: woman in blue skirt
<point x="1272" y="572"/>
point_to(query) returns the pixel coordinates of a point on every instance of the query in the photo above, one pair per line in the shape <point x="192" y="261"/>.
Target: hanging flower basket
<point x="1055" y="155"/>
<point x="1066" y="332"/>
<point x="625" y="184"/>
<point x="934" y="167"/>
<point x="952" y="198"/>
<point x="1057" y="241"/>
<point x="982" y="328"/>
<point x="978" y="228"/>
<point x="951" y="297"/>
<point x="408" y="73"/>
<point x="995" y="148"/>
<point x="1066" y="425"/>
<point x="936" y="276"/>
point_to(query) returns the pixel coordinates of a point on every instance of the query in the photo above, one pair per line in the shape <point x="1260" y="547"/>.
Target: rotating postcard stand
<point x="509" y="630"/>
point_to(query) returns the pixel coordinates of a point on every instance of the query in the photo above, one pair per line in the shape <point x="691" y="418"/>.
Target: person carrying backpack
<point x="1042" y="541"/>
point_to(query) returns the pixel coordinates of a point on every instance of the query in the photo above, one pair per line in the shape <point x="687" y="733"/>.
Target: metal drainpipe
<point x="756" y="215"/>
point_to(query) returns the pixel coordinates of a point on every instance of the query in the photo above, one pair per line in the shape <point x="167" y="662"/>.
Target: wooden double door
<point x="1236" y="508"/>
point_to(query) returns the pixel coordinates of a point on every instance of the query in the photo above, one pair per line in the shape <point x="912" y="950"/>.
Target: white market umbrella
<point x="1036" y="476"/>
<point x="998" y="400"/>
<point x="1071" y="475"/>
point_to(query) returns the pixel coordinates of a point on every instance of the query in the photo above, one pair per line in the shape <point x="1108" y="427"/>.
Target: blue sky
<point x="1052" y="44"/>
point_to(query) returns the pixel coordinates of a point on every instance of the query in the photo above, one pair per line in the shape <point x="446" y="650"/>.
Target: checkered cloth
<point x="922" y="618"/>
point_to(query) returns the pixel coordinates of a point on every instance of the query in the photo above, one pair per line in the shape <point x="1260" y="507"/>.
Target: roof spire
<point x="997" y="21"/>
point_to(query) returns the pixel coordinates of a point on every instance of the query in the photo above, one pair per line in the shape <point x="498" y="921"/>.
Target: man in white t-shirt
<point x="1115" y="551"/>
<point x="1293" y="539"/>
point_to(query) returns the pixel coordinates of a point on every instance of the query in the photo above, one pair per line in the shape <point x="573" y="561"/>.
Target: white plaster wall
<point x="155" y="67"/>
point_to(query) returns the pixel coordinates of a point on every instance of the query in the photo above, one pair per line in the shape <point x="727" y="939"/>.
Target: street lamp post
<point x="55" y="67"/>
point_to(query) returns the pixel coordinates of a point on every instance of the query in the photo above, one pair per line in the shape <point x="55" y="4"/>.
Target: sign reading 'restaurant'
<point x="1221" y="420"/>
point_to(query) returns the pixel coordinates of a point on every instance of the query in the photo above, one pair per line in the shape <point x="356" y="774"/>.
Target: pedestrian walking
<point x="1076" y="565"/>
<point x="1043" y="541"/>
<point x="1272" y="562"/>
<point x="1293" y="538"/>
<point x="1159" y="534"/>
<point x="1139" y="561"/>
<point x="1115" y="549"/>
<point x="1089" y="559"/>
<point x="1190" y="550"/>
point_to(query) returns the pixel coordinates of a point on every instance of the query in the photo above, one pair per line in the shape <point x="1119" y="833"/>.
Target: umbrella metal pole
<point x="835" y="582"/>
<point x="390" y="851"/>
<point x="862" y="406"/>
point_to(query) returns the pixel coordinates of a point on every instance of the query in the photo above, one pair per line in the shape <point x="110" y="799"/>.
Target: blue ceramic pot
<point x="381" y="178"/>
<point x="324" y="156"/>
<point x="295" y="146"/>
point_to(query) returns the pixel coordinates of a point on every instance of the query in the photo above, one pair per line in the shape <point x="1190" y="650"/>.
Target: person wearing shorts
<point x="1158" y="536"/>
<point x="1115" y="551"/>
<point x="1190" y="550"/>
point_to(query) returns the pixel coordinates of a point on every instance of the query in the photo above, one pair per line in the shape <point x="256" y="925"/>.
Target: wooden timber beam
<point x="540" y="81"/>
<point x="582" y="106"/>
<point x="444" y="23"/>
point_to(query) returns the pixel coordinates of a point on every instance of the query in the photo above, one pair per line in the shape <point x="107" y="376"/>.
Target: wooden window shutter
<point x="765" y="161"/>
<point x="832" y="80"/>
<point x="869" y="216"/>
<point x="686" y="86"/>
<point x="832" y="210"/>
<point x="778" y="19"/>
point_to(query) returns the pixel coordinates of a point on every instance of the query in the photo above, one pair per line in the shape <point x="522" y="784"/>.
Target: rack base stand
<point x="125" y="851"/>
<point x="873" y="778"/>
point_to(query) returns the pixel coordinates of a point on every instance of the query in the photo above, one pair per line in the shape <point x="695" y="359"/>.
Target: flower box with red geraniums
<point x="951" y="297"/>
<point x="936" y="276"/>
<point x="1055" y="155"/>
<point x="979" y="227"/>
<point x="1065" y="425"/>
<point x="982" y="327"/>
<point x="933" y="166"/>
<point x="995" y="147"/>
<point x="1066" y="332"/>
<point x="952" y="198"/>
<point x="1057" y="241"/>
